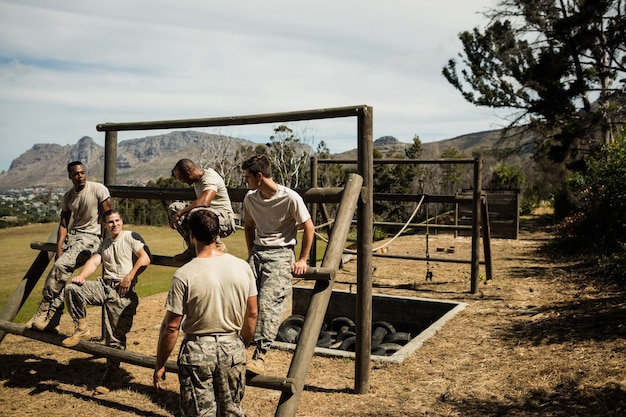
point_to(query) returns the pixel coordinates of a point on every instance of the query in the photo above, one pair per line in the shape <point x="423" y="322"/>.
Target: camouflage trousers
<point x="227" y="222"/>
<point x="77" y="249"/>
<point x="118" y="311"/>
<point x="272" y="269"/>
<point x="212" y="377"/>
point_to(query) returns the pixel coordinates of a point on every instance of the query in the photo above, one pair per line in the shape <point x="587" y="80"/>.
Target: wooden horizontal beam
<point x="394" y="161"/>
<point x="285" y="385"/>
<point x="316" y="114"/>
<point x="310" y="195"/>
<point x="87" y="347"/>
<point x="312" y="273"/>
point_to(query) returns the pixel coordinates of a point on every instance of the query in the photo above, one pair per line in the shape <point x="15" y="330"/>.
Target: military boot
<point x="39" y="318"/>
<point x="257" y="364"/>
<point x="81" y="332"/>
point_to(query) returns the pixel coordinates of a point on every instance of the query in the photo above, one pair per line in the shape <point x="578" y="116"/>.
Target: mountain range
<point x="149" y="158"/>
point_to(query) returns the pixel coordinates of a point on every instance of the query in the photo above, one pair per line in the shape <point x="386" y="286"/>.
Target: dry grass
<point x="540" y="339"/>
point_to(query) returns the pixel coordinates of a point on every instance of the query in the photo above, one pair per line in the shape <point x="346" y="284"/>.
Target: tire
<point x="343" y="336"/>
<point x="385" y="325"/>
<point x="348" y="344"/>
<point x="378" y="335"/>
<point x="390" y="348"/>
<point x="323" y="339"/>
<point x="342" y="324"/>
<point x="379" y="351"/>
<point x="288" y="333"/>
<point x="401" y="338"/>
<point x="295" y="319"/>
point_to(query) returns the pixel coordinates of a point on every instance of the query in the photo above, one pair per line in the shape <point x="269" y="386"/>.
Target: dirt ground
<point x="539" y="339"/>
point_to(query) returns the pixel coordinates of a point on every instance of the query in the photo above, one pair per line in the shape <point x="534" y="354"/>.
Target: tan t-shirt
<point x="85" y="206"/>
<point x="277" y="219"/>
<point x="212" y="294"/>
<point x="211" y="180"/>
<point x="117" y="254"/>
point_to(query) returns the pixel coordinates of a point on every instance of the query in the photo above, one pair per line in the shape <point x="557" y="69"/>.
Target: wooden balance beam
<point x="285" y="385"/>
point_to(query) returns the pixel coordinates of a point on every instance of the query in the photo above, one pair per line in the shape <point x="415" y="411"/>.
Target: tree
<point x="329" y="175"/>
<point x="148" y="212"/>
<point x="450" y="173"/>
<point x="555" y="64"/>
<point x="221" y="154"/>
<point x="507" y="176"/>
<point x="397" y="178"/>
<point x="289" y="156"/>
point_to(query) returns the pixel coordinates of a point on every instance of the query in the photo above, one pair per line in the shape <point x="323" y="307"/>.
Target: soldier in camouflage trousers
<point x="272" y="215"/>
<point x="124" y="256"/>
<point x="216" y="294"/>
<point x="78" y="237"/>
<point x="222" y="357"/>
<point x="272" y="269"/>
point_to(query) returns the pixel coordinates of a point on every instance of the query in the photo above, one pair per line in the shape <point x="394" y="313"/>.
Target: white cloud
<point x="67" y="66"/>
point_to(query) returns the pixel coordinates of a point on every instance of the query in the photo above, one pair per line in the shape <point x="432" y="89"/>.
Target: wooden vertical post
<point x="313" y="253"/>
<point x="110" y="178"/>
<point x="476" y="225"/>
<point x="365" y="236"/>
<point x="318" y="305"/>
<point x="486" y="232"/>
<point x="110" y="158"/>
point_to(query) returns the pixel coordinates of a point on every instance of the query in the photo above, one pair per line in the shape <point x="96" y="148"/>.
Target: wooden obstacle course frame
<point x="354" y="197"/>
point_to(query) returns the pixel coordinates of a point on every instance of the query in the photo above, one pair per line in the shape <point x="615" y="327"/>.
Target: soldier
<point x="76" y="242"/>
<point x="216" y="295"/>
<point x="211" y="194"/>
<point x="272" y="214"/>
<point x="124" y="256"/>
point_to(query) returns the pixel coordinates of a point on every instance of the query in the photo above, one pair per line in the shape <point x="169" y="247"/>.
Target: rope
<point x="393" y="238"/>
<point x="429" y="273"/>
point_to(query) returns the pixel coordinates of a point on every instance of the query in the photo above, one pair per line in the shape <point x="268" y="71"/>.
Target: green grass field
<point x="16" y="257"/>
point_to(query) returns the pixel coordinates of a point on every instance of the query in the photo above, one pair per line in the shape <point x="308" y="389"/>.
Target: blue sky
<point x="68" y="65"/>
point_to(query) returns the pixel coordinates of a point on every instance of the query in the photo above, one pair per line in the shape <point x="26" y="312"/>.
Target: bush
<point x="596" y="223"/>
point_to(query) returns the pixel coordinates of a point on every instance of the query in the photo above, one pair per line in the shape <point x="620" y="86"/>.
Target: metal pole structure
<point x="365" y="236"/>
<point x="110" y="158"/>
<point x="318" y="305"/>
<point x="476" y="217"/>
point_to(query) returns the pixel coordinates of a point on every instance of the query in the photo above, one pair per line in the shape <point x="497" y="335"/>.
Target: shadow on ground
<point x="79" y="378"/>
<point x="562" y="400"/>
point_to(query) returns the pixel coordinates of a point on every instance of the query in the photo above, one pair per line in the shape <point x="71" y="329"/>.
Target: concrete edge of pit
<point x="400" y="355"/>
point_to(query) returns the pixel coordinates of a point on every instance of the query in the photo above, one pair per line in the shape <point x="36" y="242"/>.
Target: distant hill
<point x="149" y="158"/>
<point x="466" y="144"/>
<point x="138" y="160"/>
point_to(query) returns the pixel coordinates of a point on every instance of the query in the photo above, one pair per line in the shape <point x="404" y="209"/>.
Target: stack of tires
<point x="340" y="334"/>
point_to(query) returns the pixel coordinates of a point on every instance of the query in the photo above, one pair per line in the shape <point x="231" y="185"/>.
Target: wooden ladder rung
<point x="286" y="385"/>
